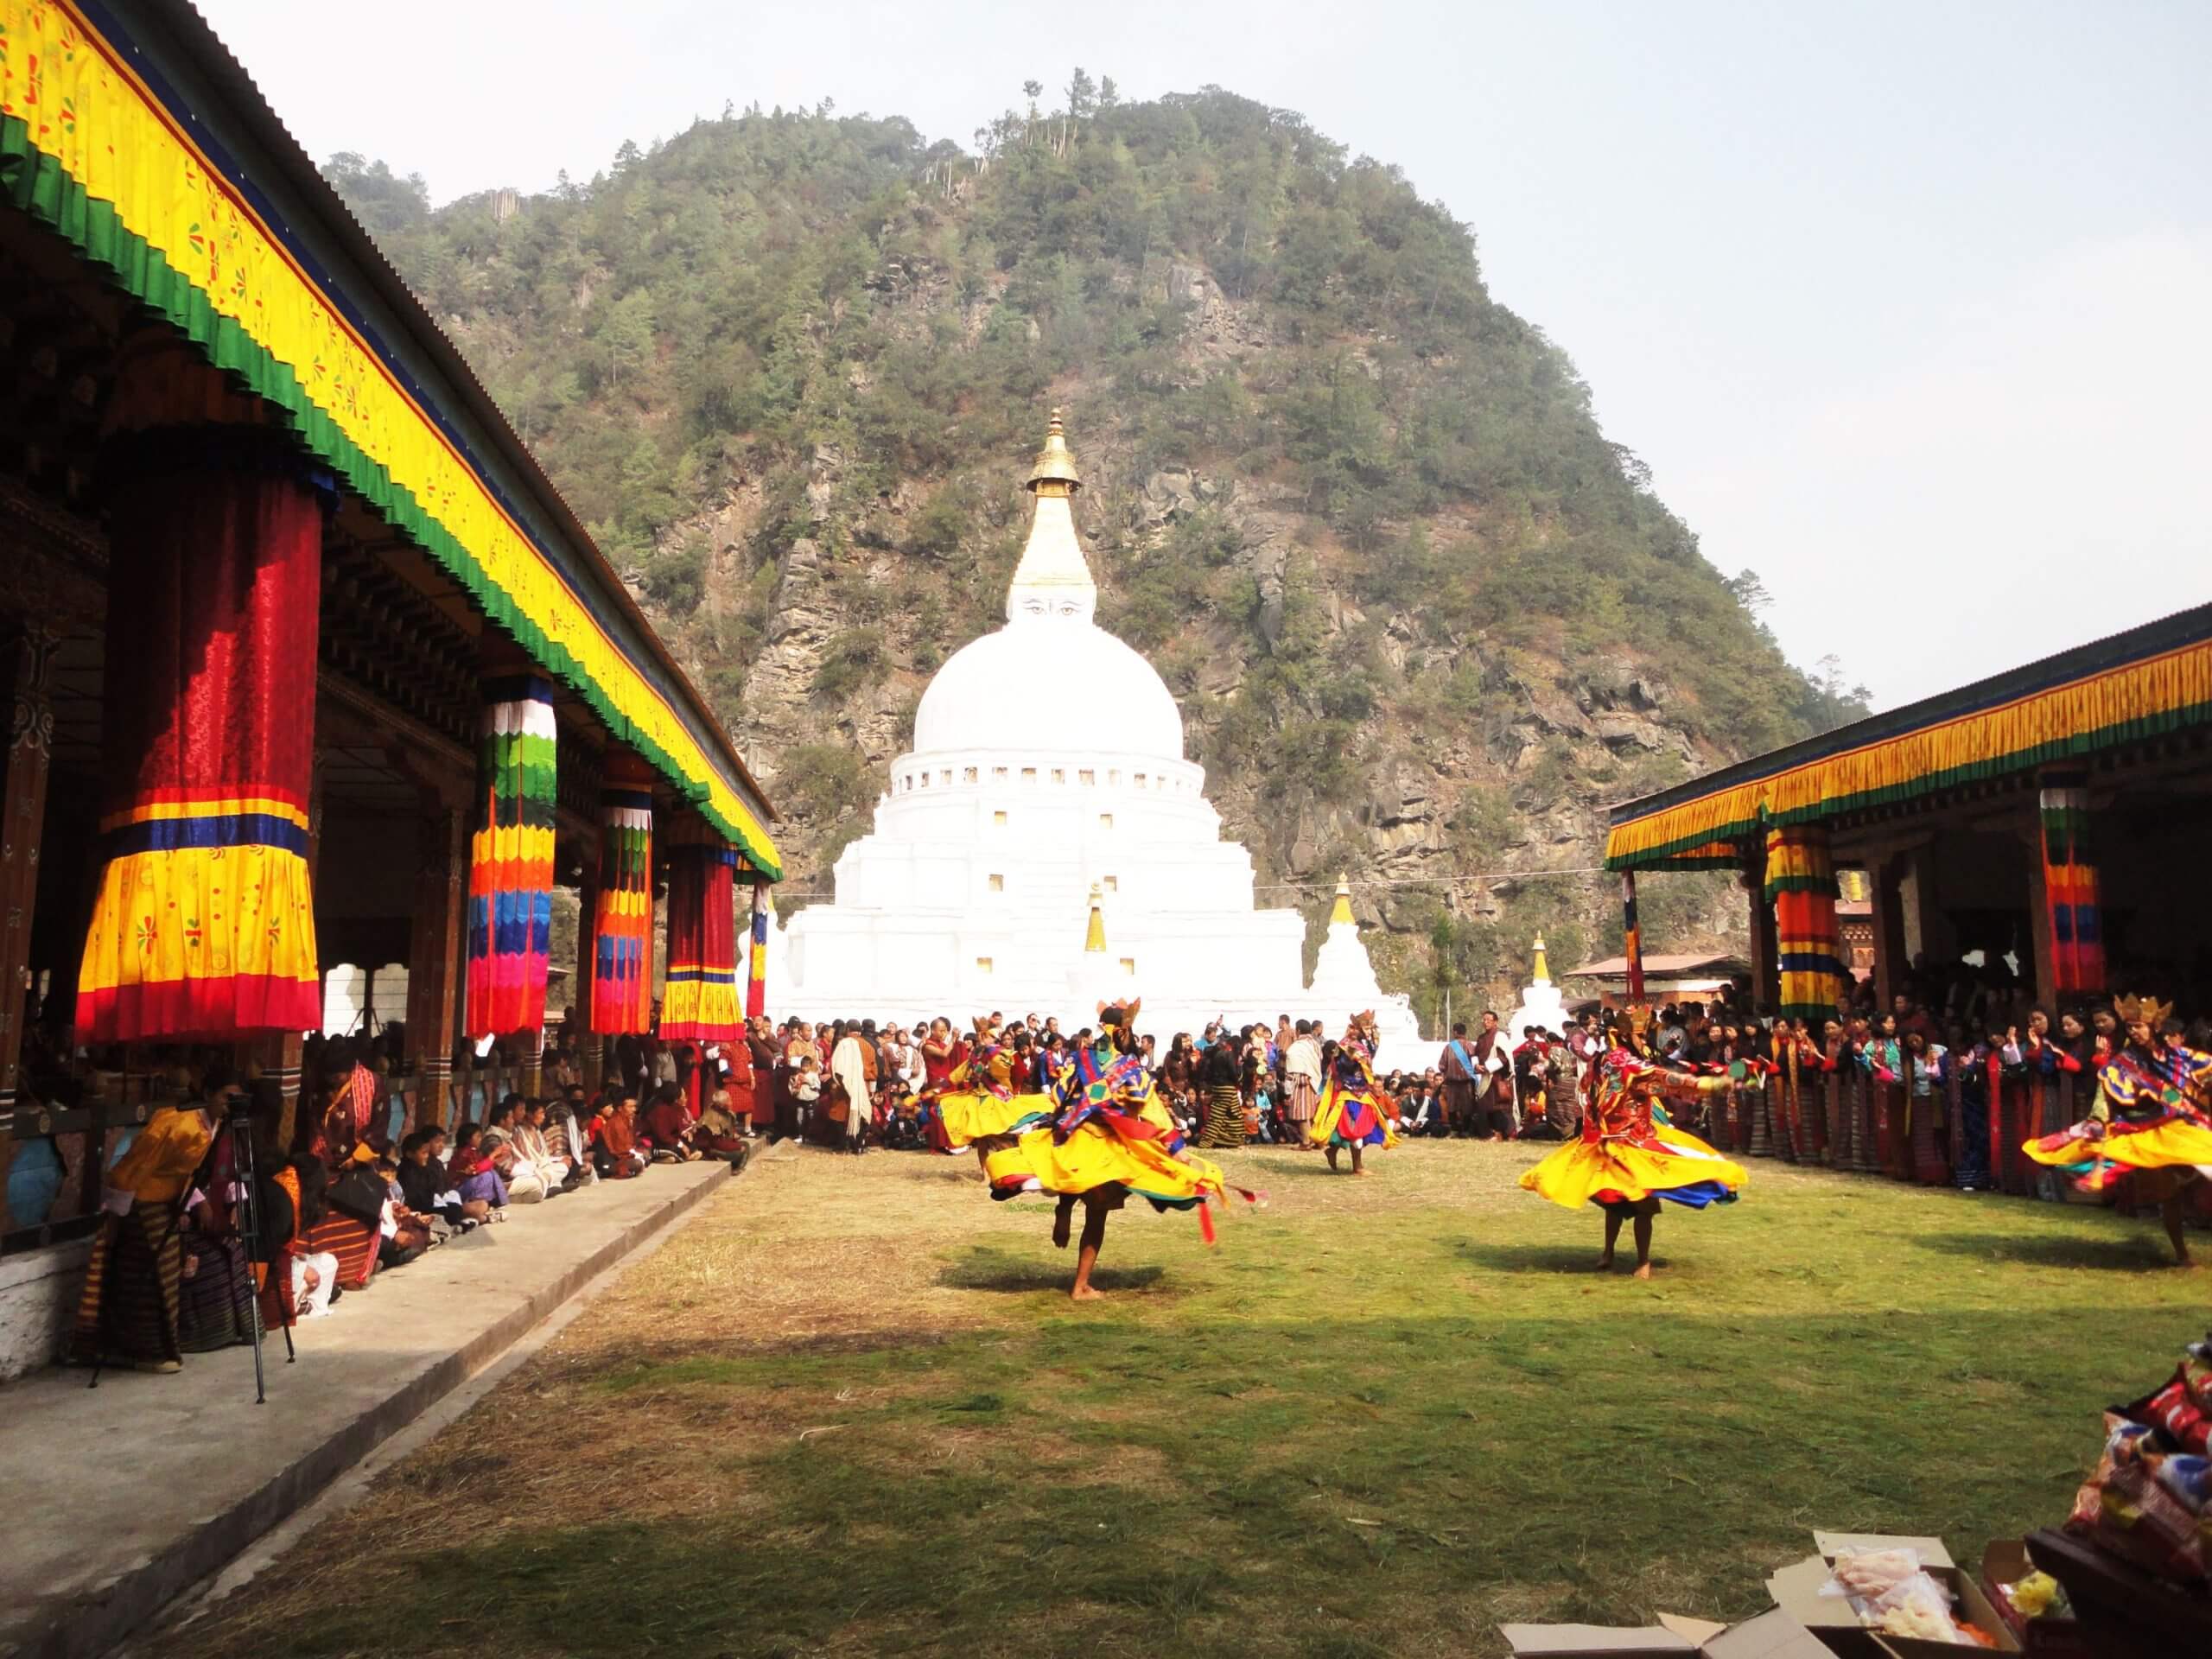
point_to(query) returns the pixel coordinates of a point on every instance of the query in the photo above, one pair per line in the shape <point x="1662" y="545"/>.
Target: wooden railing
<point x="1849" y="1120"/>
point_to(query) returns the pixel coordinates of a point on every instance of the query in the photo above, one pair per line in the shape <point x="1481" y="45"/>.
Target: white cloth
<point x="1304" y="1060"/>
<point x="313" y="1304"/>
<point x="846" y="1064"/>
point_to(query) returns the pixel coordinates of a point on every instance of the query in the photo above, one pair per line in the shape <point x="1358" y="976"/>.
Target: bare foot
<point x="1359" y="1171"/>
<point x="1085" y="1293"/>
<point x="1643" y="1272"/>
<point x="1060" y="1229"/>
<point x="1605" y="1262"/>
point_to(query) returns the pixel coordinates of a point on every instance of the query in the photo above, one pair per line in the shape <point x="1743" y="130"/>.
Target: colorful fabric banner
<point x="1631" y="940"/>
<point x="1809" y="953"/>
<point x="204" y="925"/>
<point x="2069" y="884"/>
<point x="2154" y="679"/>
<point x="756" y="975"/>
<point x="622" y="928"/>
<point x="511" y="859"/>
<point x="101" y="148"/>
<point x="701" y="1000"/>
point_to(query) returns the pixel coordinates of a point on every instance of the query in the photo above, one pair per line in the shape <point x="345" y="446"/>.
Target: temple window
<point x="945" y="777"/>
<point x="1105" y="820"/>
<point x="1129" y="965"/>
<point x="998" y="884"/>
<point x="1115" y="778"/>
<point x="1029" y="774"/>
<point x="1059" y="776"/>
<point x="968" y="775"/>
<point x="998" y="775"/>
<point x="999" y="819"/>
<point x="1112" y="884"/>
<point x="982" y="964"/>
<point x="1086" y="776"/>
<point x="925" y="780"/>
<point x="1139" y="780"/>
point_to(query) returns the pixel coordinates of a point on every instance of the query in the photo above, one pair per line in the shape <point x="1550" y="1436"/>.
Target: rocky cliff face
<point x="1423" y="620"/>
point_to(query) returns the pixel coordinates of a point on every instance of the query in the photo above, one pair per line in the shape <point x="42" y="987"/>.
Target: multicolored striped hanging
<point x="2069" y="884"/>
<point x="756" y="975"/>
<point x="1631" y="940"/>
<point x="701" y="1002"/>
<point x="1809" y="950"/>
<point x="511" y="859"/>
<point x="622" y="924"/>
<point x="204" y="925"/>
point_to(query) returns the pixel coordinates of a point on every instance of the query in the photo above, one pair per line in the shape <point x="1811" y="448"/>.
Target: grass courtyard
<point x="848" y="1411"/>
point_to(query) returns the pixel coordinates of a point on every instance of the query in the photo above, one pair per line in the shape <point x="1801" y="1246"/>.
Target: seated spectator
<point x="407" y="1233"/>
<point x="720" y="1132"/>
<point x="424" y="1185"/>
<point x="614" y="1149"/>
<point x="473" y="1175"/>
<point x="534" y="1150"/>
<point x="664" y="1128"/>
<point x="568" y="1137"/>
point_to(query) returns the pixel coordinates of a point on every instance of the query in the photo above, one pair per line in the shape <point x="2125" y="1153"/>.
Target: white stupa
<point x="1046" y="845"/>
<point x="1541" y="1002"/>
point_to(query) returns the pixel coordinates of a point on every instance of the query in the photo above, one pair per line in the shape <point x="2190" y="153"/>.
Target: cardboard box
<point x="2006" y="1562"/>
<point x="1771" y="1636"/>
<point x="1796" y="1590"/>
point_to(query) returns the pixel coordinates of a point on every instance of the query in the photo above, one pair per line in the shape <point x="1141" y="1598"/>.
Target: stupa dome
<point x="1051" y="679"/>
<point x="1068" y="686"/>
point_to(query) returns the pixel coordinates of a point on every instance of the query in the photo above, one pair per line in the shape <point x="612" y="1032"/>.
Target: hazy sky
<point x="1907" y="306"/>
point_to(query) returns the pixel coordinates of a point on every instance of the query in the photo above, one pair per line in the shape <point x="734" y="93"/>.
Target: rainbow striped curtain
<point x="622" y="923"/>
<point x="1801" y="886"/>
<point x="701" y="998"/>
<point x="204" y="924"/>
<point x="756" y="975"/>
<point x="2070" y="886"/>
<point x="511" y="859"/>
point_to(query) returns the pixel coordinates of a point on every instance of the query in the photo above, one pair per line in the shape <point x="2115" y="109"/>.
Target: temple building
<point x="1046" y="844"/>
<point x="2049" y="822"/>
<point x="308" y="662"/>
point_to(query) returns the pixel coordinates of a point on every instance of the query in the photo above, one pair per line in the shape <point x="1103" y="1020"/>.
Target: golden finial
<point x="1342" y="912"/>
<point x="1543" y="973"/>
<point x="1094" y="938"/>
<point x="1055" y="464"/>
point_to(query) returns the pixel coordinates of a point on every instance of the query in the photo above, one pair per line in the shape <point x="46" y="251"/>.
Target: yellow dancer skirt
<point x="1095" y="1157"/>
<point x="2175" y="1142"/>
<point x="1672" y="1165"/>
<point x="970" y="1117"/>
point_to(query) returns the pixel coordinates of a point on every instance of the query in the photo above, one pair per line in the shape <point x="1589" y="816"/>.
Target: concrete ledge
<point x="137" y="1490"/>
<point x="38" y="1297"/>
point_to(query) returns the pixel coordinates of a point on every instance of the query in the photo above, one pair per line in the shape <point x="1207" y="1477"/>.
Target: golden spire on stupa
<point x="1054" y="473"/>
<point x="1543" y="973"/>
<point x="1342" y="911"/>
<point x="1094" y="937"/>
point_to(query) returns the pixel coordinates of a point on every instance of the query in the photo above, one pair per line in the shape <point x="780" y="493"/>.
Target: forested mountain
<point x="1423" y="619"/>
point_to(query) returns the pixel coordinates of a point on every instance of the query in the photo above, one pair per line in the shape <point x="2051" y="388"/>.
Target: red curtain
<point x="205" y="924"/>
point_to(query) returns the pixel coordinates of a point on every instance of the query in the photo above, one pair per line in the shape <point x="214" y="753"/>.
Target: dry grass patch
<point x="846" y="1410"/>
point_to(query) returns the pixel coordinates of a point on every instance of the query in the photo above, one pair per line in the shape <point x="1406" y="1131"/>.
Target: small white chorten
<point x="1541" y="1002"/>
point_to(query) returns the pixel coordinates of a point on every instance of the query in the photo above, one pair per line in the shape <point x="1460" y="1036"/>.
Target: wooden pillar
<point x="590" y="1069"/>
<point x="28" y="658"/>
<point x="1887" y="915"/>
<point x="1766" y="983"/>
<point x="434" y="954"/>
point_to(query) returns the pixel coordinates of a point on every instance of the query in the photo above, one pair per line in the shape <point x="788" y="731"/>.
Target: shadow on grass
<point x="2129" y="1253"/>
<point x="1581" y="1261"/>
<point x="1002" y="1274"/>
